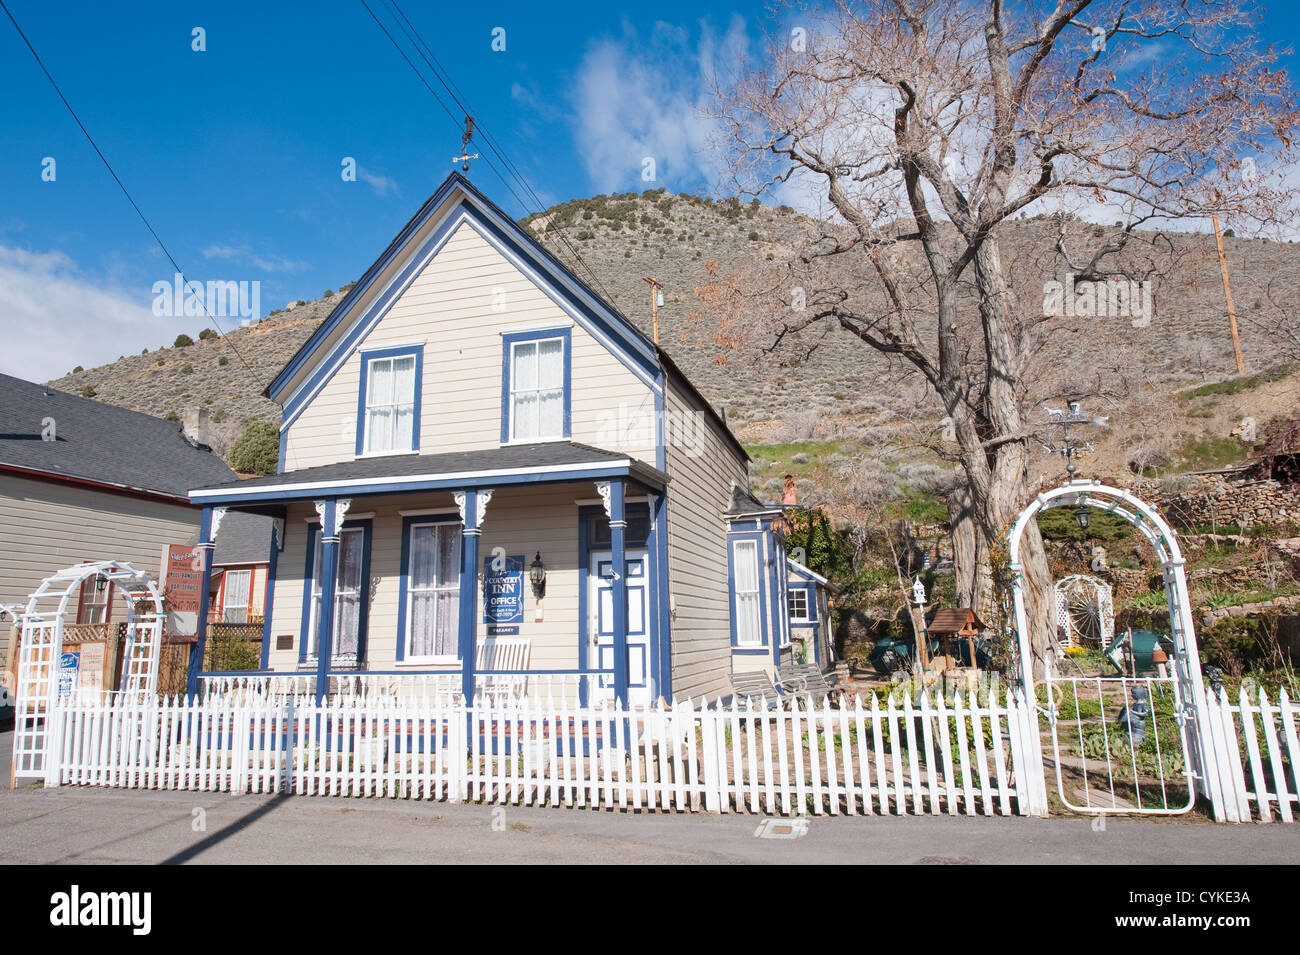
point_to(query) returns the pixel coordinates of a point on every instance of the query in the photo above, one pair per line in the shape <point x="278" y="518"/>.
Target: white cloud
<point x="56" y="317"/>
<point x="382" y="185"/>
<point x="242" y="253"/>
<point x="643" y="98"/>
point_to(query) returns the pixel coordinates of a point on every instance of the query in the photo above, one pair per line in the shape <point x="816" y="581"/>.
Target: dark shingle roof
<point x="545" y="454"/>
<point x="742" y="502"/>
<point x="243" y="538"/>
<point x="99" y="442"/>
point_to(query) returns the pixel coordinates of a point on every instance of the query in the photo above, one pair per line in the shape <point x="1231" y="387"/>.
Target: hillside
<point x="811" y="417"/>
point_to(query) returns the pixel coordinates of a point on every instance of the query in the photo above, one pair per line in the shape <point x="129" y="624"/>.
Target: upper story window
<point x="388" y="413"/>
<point x="535" y="387"/>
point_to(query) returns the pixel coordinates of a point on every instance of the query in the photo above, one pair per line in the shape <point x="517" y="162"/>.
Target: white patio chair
<point x="502" y="653"/>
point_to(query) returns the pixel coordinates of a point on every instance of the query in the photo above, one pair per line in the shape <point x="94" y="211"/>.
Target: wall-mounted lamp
<point x="537" y="576"/>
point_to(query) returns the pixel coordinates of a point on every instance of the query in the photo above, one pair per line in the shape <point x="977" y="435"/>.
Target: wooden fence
<point x="935" y="756"/>
<point x="1256" y="749"/>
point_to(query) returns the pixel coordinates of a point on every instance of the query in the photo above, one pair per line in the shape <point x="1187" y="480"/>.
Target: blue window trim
<point x="367" y="536"/>
<point x="811" y="591"/>
<point x="369" y="355"/>
<point x="632" y="347"/>
<point x="509" y="339"/>
<point x="404" y="572"/>
<point x="765" y="644"/>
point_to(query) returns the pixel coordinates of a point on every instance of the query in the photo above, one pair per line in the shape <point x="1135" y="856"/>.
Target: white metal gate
<point x="37" y="690"/>
<point x="1119" y="744"/>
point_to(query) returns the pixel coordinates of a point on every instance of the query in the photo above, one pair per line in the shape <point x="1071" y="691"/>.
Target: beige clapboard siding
<point x="701" y="474"/>
<point x="46" y="526"/>
<point x="521" y="521"/>
<point x="458" y="307"/>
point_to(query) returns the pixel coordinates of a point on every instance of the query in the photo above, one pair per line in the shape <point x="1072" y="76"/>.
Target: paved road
<point x="85" y="826"/>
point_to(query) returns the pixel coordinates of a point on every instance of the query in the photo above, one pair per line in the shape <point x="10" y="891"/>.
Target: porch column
<point x="209" y="523"/>
<point x="472" y="505"/>
<point x="618" y="587"/>
<point x="330" y="523"/>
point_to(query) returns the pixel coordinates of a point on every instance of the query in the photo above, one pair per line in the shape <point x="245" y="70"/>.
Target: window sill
<point x="506" y="444"/>
<point x="418" y="662"/>
<point x="385" y="454"/>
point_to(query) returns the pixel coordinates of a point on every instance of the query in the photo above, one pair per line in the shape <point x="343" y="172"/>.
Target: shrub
<point x="87" y="392"/>
<point x="219" y="416"/>
<point x="171" y="416"/>
<point x="257" y="449"/>
<point x="161" y="361"/>
<point x="187" y="369"/>
<point x="78" y="369"/>
<point x="207" y="334"/>
<point x="223" y="360"/>
<point x="753" y="237"/>
<point x="182" y="341"/>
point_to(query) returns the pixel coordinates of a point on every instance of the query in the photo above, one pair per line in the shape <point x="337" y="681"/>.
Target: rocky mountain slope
<point x="844" y="396"/>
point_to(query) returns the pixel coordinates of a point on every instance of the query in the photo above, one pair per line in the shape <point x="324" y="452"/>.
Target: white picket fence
<point x="892" y="758"/>
<point x="1256" y="748"/>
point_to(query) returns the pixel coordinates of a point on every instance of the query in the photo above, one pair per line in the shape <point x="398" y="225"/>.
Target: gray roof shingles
<point x="243" y="538"/>
<point x="99" y="442"/>
<point x="545" y="454"/>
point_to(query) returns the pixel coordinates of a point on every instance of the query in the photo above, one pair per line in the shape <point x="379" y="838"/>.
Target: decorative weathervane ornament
<point x="1064" y="420"/>
<point x="466" y="136"/>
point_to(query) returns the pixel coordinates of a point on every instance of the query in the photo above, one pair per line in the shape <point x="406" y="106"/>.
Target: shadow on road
<point x="243" y="822"/>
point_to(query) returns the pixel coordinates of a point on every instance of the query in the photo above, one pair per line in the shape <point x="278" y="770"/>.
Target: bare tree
<point x="924" y="125"/>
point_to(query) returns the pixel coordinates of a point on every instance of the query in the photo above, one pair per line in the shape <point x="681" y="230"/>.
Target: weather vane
<point x="1063" y="420"/>
<point x="466" y="136"/>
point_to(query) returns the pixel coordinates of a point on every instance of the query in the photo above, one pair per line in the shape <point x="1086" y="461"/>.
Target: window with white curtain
<point x="234" y="605"/>
<point x="390" y="404"/>
<point x="349" y="592"/>
<point x="744" y="568"/>
<point x="433" y="591"/>
<point x="537" y="389"/>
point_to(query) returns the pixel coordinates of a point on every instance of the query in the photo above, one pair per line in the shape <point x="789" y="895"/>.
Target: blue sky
<point x="235" y="153"/>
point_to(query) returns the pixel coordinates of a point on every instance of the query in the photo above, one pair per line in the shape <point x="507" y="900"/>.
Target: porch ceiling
<point x="545" y="462"/>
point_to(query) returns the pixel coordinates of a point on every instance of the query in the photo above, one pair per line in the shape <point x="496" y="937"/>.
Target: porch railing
<point x="441" y="687"/>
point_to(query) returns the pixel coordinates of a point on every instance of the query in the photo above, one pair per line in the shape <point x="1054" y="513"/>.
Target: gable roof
<point x="352" y="315"/>
<point x="98" y="443"/>
<point x="454" y="202"/>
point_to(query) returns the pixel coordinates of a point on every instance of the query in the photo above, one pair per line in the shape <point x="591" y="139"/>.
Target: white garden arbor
<point x="1085" y="610"/>
<point x="41" y="650"/>
<point x="1194" y="717"/>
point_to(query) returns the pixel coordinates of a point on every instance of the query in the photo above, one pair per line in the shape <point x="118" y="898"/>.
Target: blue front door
<point x="600" y="634"/>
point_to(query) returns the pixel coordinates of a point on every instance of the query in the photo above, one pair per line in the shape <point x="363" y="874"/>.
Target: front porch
<point x="421" y="578"/>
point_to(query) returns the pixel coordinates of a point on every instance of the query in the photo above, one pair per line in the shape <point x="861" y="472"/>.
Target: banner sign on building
<point x="503" y="594"/>
<point x="182" y="577"/>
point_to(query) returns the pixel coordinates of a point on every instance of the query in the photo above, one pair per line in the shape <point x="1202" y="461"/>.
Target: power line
<point x="448" y="84"/>
<point x="121" y="185"/>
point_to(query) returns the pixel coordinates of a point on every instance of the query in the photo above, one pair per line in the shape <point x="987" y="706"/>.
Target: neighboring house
<point x="85" y="481"/>
<point x="761" y="636"/>
<point x="470" y="415"/>
<point x="240" y="565"/>
<point x="808" y="601"/>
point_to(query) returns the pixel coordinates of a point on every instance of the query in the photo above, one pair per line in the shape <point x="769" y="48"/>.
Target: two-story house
<point x="476" y="447"/>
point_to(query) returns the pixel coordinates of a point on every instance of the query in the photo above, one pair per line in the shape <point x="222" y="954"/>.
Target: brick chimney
<point x="790" y="496"/>
<point x="196" y="424"/>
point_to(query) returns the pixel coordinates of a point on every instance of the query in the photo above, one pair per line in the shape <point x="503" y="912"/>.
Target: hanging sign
<point x="503" y="594"/>
<point x="182" y="578"/>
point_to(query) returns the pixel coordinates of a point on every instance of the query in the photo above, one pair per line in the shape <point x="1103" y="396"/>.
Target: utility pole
<point x="1227" y="291"/>
<point x="656" y="299"/>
